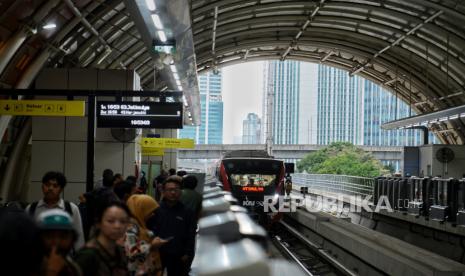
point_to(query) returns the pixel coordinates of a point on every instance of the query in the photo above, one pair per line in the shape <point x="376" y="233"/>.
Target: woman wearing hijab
<point x="141" y="248"/>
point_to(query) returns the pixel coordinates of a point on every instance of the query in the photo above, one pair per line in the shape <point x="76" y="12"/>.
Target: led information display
<point x="139" y="115"/>
<point x="253" y="189"/>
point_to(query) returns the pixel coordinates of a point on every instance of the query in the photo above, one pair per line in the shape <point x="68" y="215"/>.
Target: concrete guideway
<point x="281" y="151"/>
<point x="388" y="254"/>
<point x="310" y="257"/>
<point x="443" y="238"/>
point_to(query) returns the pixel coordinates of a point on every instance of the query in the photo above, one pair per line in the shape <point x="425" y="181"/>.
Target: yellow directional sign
<point x="152" y="151"/>
<point x="42" y="108"/>
<point x="167" y="143"/>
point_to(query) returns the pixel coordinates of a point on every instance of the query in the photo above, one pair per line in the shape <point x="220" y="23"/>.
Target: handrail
<point x="339" y="184"/>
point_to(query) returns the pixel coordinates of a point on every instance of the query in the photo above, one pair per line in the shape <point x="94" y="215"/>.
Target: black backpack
<point x="33" y="208"/>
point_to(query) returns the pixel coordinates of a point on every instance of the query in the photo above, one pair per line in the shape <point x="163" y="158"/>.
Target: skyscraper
<point x="317" y="104"/>
<point x="251" y="129"/>
<point x="380" y="107"/>
<point x="211" y="129"/>
<point x="284" y="82"/>
<point x="339" y="106"/>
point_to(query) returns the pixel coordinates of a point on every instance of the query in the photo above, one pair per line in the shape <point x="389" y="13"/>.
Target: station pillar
<point x="60" y="143"/>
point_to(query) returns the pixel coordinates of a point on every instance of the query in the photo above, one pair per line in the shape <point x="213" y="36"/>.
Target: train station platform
<point x="347" y="247"/>
<point x="90" y="85"/>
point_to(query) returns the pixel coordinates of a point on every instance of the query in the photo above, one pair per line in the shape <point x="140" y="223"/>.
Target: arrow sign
<point x="168" y="143"/>
<point x="152" y="151"/>
<point x="42" y="108"/>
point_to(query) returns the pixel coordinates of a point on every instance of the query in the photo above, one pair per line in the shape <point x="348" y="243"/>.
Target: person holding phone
<point x="173" y="223"/>
<point x="140" y="245"/>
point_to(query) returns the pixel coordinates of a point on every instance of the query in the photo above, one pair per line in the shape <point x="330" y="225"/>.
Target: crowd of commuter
<point x="116" y="229"/>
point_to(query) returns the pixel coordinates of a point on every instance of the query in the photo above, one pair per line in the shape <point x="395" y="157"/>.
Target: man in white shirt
<point x="53" y="184"/>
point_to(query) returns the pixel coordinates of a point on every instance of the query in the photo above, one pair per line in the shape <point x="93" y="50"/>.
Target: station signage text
<point x="139" y="115"/>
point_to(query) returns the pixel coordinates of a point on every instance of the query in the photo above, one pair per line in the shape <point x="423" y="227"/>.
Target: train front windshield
<point x="259" y="173"/>
<point x="251" y="179"/>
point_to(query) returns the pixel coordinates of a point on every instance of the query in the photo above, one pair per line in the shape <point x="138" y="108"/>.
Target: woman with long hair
<point x="102" y="255"/>
<point x="140" y="245"/>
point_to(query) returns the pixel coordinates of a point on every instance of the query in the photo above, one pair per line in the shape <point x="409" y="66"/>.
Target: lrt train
<point x="252" y="175"/>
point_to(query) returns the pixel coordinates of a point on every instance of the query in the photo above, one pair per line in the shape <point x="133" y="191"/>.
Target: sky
<point x="242" y="94"/>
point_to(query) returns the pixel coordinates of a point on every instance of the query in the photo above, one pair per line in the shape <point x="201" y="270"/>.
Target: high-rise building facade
<point x="380" y="106"/>
<point x="317" y="104"/>
<point x="284" y="82"/>
<point x="211" y="129"/>
<point x="339" y="106"/>
<point x="251" y="129"/>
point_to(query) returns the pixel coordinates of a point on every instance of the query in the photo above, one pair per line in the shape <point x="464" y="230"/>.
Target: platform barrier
<point x="461" y="203"/>
<point x="435" y="198"/>
<point x="444" y="199"/>
<point x="230" y="243"/>
<point x="418" y="203"/>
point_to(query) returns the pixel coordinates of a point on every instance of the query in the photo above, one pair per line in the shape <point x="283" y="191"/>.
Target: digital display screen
<point x="261" y="180"/>
<point x="139" y="115"/>
<point x="253" y="189"/>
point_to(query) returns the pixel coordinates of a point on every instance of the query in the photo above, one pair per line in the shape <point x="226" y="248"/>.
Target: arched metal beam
<point x="383" y="13"/>
<point x="345" y="23"/>
<point x="352" y="48"/>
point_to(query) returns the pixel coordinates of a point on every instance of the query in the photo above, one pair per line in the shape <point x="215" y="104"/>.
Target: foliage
<point x="342" y="158"/>
<point x="390" y="168"/>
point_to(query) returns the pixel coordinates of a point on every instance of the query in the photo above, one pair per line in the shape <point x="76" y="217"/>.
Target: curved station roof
<point x="414" y="48"/>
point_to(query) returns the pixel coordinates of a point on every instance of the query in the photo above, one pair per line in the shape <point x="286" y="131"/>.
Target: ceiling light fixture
<point x="173" y="69"/>
<point x="151" y="5"/>
<point x="157" y="22"/>
<point x="49" y="26"/>
<point x="162" y="36"/>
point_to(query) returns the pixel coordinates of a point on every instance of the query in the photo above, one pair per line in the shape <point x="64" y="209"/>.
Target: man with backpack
<point x="53" y="184"/>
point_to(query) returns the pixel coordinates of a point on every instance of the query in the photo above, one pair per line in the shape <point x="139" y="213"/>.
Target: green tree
<point x="342" y="158"/>
<point x="390" y="167"/>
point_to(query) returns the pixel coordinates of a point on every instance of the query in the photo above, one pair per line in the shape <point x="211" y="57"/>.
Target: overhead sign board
<point x="42" y="108"/>
<point x="167" y="143"/>
<point x="152" y="151"/>
<point x="139" y="115"/>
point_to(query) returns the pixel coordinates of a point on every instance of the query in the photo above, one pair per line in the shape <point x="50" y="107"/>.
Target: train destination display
<point x="139" y="115"/>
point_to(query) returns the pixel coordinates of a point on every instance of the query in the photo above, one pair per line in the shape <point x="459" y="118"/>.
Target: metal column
<point x="90" y="143"/>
